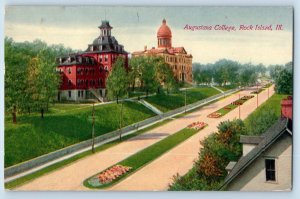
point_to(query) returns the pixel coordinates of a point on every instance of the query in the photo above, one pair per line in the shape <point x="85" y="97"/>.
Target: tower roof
<point x="164" y="30"/>
<point x="105" y="25"/>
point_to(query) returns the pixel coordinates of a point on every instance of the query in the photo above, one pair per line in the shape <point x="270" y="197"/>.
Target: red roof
<point x="164" y="30"/>
<point x="171" y="51"/>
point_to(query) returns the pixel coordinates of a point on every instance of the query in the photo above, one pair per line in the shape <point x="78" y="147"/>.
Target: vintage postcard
<point x="118" y="98"/>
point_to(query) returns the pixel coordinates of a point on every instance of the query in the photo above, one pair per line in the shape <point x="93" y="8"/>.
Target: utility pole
<point x="121" y="119"/>
<point x="256" y="95"/>
<point x="93" y="129"/>
<point x="185" y="101"/>
<point x="239" y="106"/>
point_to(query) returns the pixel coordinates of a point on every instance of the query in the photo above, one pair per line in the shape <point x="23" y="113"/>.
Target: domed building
<point x="83" y="75"/>
<point x="177" y="57"/>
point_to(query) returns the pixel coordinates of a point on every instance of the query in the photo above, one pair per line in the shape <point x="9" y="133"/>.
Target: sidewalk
<point x="71" y="177"/>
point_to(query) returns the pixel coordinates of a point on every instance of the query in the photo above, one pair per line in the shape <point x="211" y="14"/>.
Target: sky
<point x="136" y="27"/>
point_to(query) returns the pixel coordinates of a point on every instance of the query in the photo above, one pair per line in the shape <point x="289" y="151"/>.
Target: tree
<point x="42" y="80"/>
<point x="171" y="84"/>
<point x="148" y="77"/>
<point x="284" y="82"/>
<point x="163" y="74"/>
<point x="117" y="80"/>
<point x="30" y="70"/>
<point x="15" y="77"/>
<point x="226" y="72"/>
<point x="218" y="150"/>
<point x="135" y="70"/>
<point x="248" y="75"/>
<point x="260" y="68"/>
<point x="275" y="70"/>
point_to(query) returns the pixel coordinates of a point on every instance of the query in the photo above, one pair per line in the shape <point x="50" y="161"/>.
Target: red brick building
<point x="176" y="57"/>
<point x="83" y="75"/>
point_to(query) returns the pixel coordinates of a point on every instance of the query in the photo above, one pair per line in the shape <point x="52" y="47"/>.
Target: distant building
<point x="83" y="75"/>
<point x="178" y="59"/>
<point x="266" y="164"/>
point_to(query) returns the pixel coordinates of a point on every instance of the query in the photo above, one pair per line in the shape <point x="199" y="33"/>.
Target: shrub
<point x="218" y="150"/>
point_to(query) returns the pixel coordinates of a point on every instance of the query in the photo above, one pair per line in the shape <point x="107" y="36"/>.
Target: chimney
<point x="287" y="107"/>
<point x="145" y="48"/>
<point x="249" y="142"/>
<point x="230" y="166"/>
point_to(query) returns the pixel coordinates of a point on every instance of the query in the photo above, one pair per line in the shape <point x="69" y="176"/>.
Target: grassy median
<point x="145" y="156"/>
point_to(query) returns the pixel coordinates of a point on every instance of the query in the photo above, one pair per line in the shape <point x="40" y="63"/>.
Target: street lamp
<point x="256" y="95"/>
<point x="185" y="101"/>
<point x="121" y="119"/>
<point x="93" y="129"/>
<point x="239" y="106"/>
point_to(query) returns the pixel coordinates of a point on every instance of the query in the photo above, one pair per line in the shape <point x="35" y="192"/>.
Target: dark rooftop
<point x="283" y="125"/>
<point x="244" y="139"/>
<point x="105" y="24"/>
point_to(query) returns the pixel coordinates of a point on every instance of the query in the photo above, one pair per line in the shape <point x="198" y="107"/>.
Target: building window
<point x="69" y="70"/>
<point x="270" y="170"/>
<point x="78" y="93"/>
<point x="106" y="58"/>
<point x="70" y="94"/>
<point x="69" y="82"/>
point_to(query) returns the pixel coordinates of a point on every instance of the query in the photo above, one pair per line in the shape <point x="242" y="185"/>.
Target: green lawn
<point x="147" y="155"/>
<point x="15" y="183"/>
<point x="226" y="88"/>
<point x="274" y="103"/>
<point x="265" y="115"/>
<point x="63" y="108"/>
<point x="226" y="109"/>
<point x="32" y="136"/>
<point x="172" y="101"/>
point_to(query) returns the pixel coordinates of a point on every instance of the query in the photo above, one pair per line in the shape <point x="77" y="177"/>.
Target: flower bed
<point x="246" y="97"/>
<point x="214" y="115"/>
<point x="237" y="103"/>
<point x="112" y="173"/>
<point x="109" y="175"/>
<point x="230" y="107"/>
<point x="197" y="125"/>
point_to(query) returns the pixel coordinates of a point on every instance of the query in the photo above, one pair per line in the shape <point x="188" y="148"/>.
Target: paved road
<point x="156" y="175"/>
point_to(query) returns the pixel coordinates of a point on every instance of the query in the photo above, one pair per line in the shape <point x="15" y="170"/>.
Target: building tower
<point x="83" y="75"/>
<point x="164" y="36"/>
<point x="179" y="61"/>
<point x="105" y="29"/>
